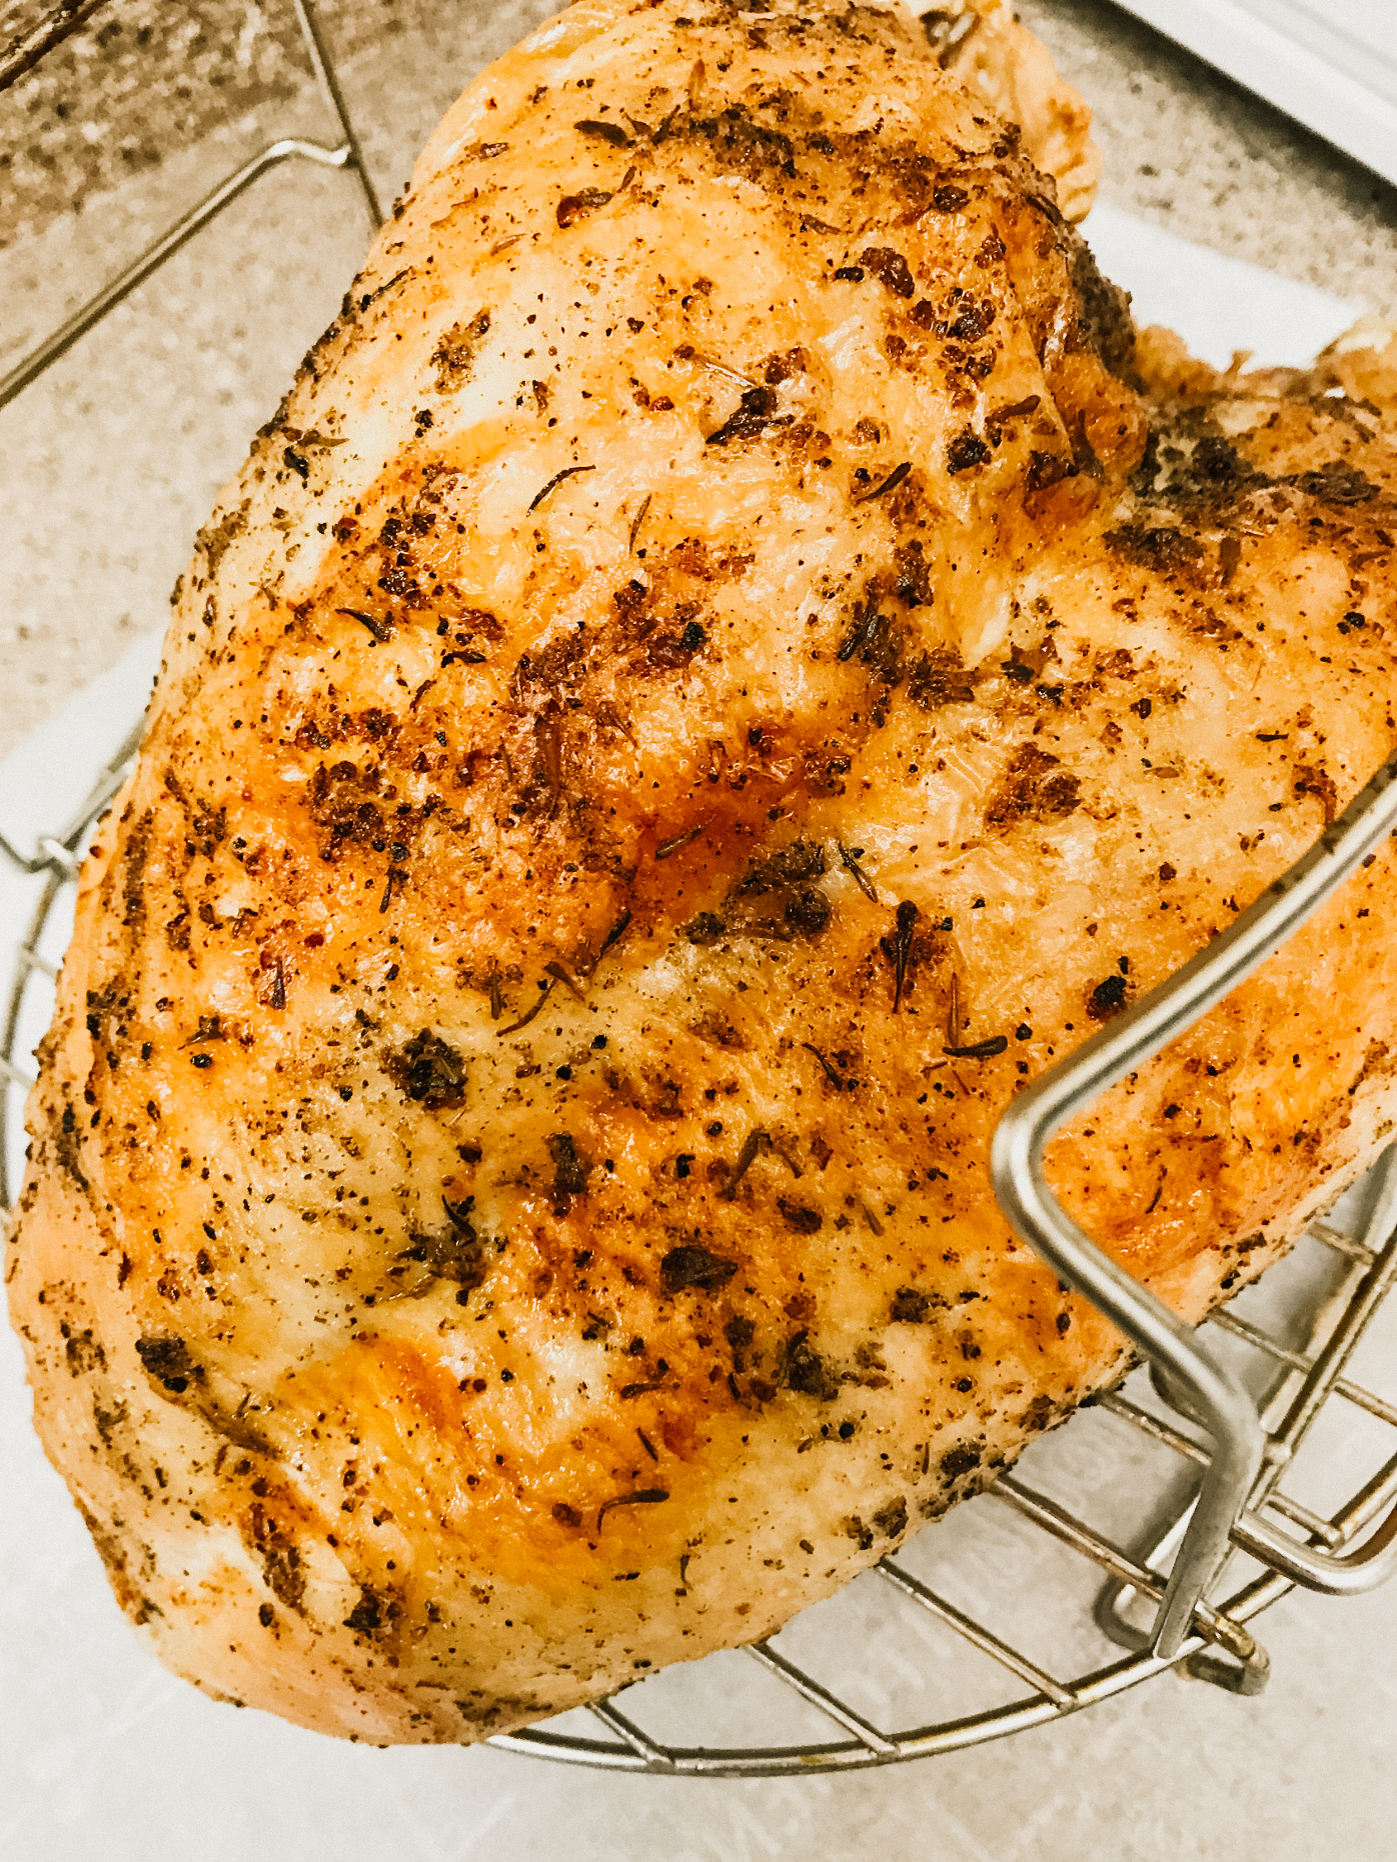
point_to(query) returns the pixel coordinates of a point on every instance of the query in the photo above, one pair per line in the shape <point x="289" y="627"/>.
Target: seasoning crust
<point x="731" y="658"/>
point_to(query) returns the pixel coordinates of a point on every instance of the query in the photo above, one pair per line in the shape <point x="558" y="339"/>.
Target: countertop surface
<point x="107" y="466"/>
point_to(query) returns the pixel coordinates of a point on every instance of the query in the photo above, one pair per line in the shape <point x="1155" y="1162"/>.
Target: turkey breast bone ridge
<point x="725" y="665"/>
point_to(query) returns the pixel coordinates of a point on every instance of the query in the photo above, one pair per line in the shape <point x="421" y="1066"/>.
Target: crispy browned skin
<point x="712" y="680"/>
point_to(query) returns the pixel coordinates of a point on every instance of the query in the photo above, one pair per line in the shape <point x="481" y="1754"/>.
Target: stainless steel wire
<point x="1251" y="1449"/>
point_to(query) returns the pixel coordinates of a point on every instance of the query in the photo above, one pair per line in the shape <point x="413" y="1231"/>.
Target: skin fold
<point x="731" y="658"/>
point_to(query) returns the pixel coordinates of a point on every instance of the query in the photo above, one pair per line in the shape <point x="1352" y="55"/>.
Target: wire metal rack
<point x="1209" y="1434"/>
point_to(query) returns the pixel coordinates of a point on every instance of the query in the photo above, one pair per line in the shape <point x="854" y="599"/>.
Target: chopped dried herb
<point x="560" y="974"/>
<point x="755" y="413"/>
<point x="691" y="1266"/>
<point x="366" y="1618"/>
<point x="397" y="876"/>
<point x="979" y="1050"/>
<point x="911" y="1306"/>
<point x="454" y="1253"/>
<point x="210" y="1029"/>
<point x="746" y="1157"/>
<point x="274" y="995"/>
<point x="667" y="847"/>
<point x="556" y="480"/>
<point x="380" y="629"/>
<point x="525" y="1019"/>
<point x="429" y="1071"/>
<point x="646" y="1496"/>
<point x="901" y="948"/>
<point x="639" y="519"/>
<point x="1335" y="482"/>
<point x="604" y="132"/>
<point x="835" y="1081"/>
<point x="849" y="858"/>
<point x="615" y="934"/>
<point x="890" y="483"/>
<point x="573" y="206"/>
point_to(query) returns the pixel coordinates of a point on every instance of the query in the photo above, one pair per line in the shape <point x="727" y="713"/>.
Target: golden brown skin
<point x="717" y="674"/>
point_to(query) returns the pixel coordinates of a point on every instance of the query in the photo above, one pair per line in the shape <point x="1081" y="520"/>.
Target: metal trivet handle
<point x="1222" y="1515"/>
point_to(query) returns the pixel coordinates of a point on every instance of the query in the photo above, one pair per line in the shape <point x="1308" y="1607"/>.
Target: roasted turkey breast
<point x="730" y="658"/>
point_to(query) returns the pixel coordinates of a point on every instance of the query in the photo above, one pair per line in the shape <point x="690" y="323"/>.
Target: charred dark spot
<point x="738" y="144"/>
<point x="805" y="1370"/>
<point x="281" y="1566"/>
<point x="366" y="1618"/>
<point x="912" y="1306"/>
<point x="690" y="1266"/>
<point x="960" y="1460"/>
<point x="1106" y="999"/>
<point x="808" y="912"/>
<point x="966" y="451"/>
<point x="1105" y="310"/>
<point x="890" y="1521"/>
<point x="939" y="678"/>
<point x="1034" y="788"/>
<point x="168" y="1361"/>
<point x="1314" y="779"/>
<point x="1336" y="483"/>
<point x="705" y="930"/>
<point x="890" y="268"/>
<point x="426" y="1069"/>
<point x="570" y="1171"/>
<point x="755" y="413"/>
<point x="67" y="1144"/>
<point x="1160" y="548"/>
<point x="915" y="581"/>
<point x="83" y="1352"/>
<point x="795" y="1215"/>
<point x="1048" y="469"/>
<point x="573" y="207"/>
<point x="454" y="1252"/>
